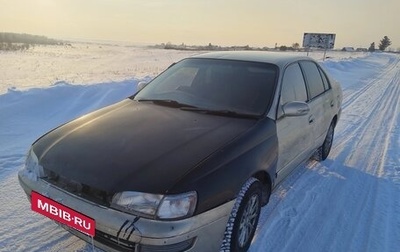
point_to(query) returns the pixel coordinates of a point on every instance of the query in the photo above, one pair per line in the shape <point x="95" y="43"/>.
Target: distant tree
<point x="168" y="45"/>
<point x="296" y="46"/>
<point x="283" y="48"/>
<point x="372" y="47"/>
<point x="385" y="43"/>
<point x="25" y="46"/>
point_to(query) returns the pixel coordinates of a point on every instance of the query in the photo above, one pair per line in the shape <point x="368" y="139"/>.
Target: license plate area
<point x="63" y="214"/>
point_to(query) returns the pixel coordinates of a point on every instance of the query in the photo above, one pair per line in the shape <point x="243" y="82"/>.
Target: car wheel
<point x="323" y="151"/>
<point x="244" y="217"/>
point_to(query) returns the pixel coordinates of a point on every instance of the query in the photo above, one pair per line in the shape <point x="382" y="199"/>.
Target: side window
<point x="293" y="86"/>
<point x="313" y="77"/>
<point x="324" y="79"/>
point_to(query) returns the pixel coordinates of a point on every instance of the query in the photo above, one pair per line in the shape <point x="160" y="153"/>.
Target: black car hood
<point x="136" y="146"/>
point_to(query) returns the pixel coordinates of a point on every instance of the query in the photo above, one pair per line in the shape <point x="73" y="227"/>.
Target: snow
<point x="350" y="202"/>
<point x="82" y="63"/>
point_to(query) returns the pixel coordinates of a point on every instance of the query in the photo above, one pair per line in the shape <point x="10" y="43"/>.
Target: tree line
<point x="16" y="41"/>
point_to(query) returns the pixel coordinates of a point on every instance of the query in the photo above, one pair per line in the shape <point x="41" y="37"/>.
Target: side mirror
<point x="295" y="108"/>
<point x="141" y="85"/>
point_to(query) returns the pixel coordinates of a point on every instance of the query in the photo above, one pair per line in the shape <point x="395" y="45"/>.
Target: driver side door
<point x="294" y="132"/>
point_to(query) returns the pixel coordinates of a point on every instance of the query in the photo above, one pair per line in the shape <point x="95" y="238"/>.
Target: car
<point x="187" y="162"/>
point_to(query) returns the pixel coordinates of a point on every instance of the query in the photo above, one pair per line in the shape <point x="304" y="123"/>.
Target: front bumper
<point x="118" y="231"/>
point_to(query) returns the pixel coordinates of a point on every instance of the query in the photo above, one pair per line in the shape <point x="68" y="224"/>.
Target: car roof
<point x="277" y="58"/>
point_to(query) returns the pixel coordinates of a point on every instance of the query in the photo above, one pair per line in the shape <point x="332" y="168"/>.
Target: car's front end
<point x="124" y="182"/>
<point x="121" y="231"/>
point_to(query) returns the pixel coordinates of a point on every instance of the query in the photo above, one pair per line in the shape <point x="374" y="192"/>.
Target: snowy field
<point x="350" y="202"/>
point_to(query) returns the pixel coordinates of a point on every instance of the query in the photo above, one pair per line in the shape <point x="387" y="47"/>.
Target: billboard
<point x="319" y="40"/>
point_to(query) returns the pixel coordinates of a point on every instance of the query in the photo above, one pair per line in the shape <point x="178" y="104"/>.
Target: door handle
<point x="332" y="104"/>
<point x="311" y="119"/>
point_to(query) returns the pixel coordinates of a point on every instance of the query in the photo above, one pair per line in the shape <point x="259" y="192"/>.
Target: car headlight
<point x="177" y="206"/>
<point x="32" y="165"/>
<point x="156" y="205"/>
<point x="136" y="202"/>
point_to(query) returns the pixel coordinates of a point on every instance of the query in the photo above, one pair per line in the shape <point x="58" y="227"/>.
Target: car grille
<point x="81" y="190"/>
<point x="114" y="242"/>
<point x="127" y="246"/>
<point x="124" y="245"/>
<point x="177" y="247"/>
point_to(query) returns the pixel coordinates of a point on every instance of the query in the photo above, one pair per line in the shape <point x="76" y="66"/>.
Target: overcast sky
<point x="356" y="23"/>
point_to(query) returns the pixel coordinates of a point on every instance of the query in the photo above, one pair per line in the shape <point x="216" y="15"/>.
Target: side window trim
<point x="307" y="81"/>
<point x="324" y="78"/>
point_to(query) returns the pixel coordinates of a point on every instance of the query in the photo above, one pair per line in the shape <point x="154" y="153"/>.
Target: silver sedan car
<point x="187" y="162"/>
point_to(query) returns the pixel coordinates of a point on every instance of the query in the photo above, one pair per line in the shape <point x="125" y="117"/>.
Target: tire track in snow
<point x="374" y="116"/>
<point x="364" y="151"/>
<point x="355" y="118"/>
<point x="369" y="143"/>
<point x="353" y="95"/>
<point x="393" y="135"/>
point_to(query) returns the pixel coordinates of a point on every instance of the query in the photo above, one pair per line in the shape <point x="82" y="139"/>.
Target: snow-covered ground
<point x="350" y="202"/>
<point x="87" y="63"/>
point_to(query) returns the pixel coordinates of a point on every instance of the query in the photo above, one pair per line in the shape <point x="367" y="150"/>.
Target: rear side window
<point x="325" y="79"/>
<point x="293" y="86"/>
<point x="314" y="80"/>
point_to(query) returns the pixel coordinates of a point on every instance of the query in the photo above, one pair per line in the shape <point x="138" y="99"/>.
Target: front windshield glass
<point x="214" y="84"/>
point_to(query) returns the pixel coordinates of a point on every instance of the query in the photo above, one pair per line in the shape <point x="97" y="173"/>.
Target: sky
<point x="356" y="23"/>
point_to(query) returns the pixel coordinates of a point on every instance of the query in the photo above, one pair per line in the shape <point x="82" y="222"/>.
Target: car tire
<point x="244" y="217"/>
<point x="323" y="151"/>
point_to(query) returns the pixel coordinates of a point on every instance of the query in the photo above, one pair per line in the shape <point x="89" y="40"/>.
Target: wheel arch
<point x="266" y="182"/>
<point x="335" y="120"/>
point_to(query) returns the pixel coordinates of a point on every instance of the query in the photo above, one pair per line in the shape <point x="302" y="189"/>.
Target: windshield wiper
<point x="168" y="103"/>
<point x="222" y="112"/>
<point x="188" y="107"/>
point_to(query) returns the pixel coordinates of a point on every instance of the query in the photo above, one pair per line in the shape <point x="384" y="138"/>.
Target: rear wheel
<point x="323" y="151"/>
<point x="244" y="217"/>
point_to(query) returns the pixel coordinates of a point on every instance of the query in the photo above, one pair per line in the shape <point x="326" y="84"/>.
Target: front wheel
<point x="244" y="217"/>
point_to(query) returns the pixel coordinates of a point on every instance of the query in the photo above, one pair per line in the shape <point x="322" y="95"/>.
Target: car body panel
<point x="254" y="151"/>
<point x="138" y="140"/>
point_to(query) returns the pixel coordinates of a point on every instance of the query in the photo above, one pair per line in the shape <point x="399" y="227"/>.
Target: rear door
<point x="320" y="101"/>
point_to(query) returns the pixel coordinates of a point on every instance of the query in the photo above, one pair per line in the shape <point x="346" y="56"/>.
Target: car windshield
<point x="214" y="84"/>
